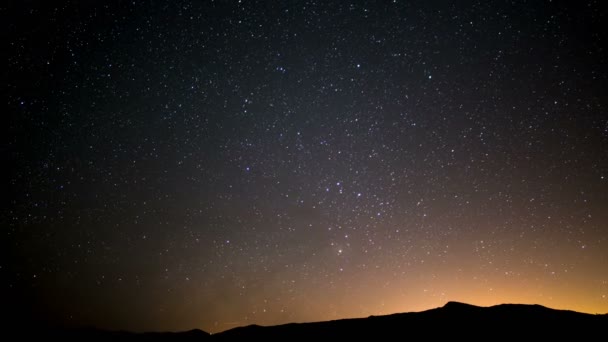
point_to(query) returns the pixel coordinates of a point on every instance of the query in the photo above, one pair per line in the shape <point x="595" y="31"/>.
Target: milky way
<point x="198" y="164"/>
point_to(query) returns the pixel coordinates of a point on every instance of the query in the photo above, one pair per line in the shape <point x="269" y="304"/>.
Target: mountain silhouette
<point x="452" y="321"/>
<point x="97" y="335"/>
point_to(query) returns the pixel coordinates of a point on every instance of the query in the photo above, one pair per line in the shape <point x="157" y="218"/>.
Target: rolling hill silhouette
<point x="453" y="320"/>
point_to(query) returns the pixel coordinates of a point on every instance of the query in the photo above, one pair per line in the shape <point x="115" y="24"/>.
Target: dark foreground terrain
<point x="453" y="321"/>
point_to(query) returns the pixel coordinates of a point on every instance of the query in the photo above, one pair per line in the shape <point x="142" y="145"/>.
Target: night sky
<point x="198" y="164"/>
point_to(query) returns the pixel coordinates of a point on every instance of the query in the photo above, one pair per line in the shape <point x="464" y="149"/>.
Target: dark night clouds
<point x="174" y="165"/>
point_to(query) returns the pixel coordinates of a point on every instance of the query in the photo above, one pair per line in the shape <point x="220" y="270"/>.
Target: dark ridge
<point x="460" y="306"/>
<point x="98" y="335"/>
<point x="452" y="321"/>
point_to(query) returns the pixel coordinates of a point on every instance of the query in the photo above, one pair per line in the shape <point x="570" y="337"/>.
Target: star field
<point x="182" y="164"/>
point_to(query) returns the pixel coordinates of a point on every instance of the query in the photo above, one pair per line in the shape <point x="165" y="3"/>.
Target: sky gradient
<point x="209" y="164"/>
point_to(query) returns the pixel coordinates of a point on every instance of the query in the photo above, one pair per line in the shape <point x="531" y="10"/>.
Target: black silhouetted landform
<point x="452" y="321"/>
<point x="97" y="335"/>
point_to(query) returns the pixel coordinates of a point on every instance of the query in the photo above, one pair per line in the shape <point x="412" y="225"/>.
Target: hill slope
<point x="452" y="321"/>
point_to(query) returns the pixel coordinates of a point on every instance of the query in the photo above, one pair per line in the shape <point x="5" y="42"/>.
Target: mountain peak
<point x="458" y="305"/>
